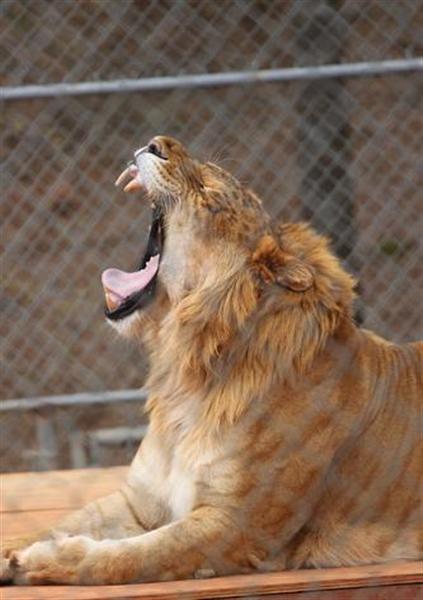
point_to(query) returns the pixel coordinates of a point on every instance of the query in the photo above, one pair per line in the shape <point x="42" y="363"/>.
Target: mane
<point x="232" y="339"/>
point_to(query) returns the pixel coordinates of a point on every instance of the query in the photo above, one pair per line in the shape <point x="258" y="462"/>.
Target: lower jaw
<point x="144" y="297"/>
<point x="133" y="304"/>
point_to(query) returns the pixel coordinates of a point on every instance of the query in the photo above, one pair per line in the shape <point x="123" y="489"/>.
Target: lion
<point x="281" y="434"/>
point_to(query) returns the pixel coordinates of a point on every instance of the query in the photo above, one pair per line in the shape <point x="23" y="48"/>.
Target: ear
<point x="296" y="276"/>
<point x="274" y="265"/>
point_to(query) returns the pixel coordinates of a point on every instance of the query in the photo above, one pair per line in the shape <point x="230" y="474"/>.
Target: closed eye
<point x="154" y="149"/>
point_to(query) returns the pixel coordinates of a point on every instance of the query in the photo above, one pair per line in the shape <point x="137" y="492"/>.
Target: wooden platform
<point x="35" y="500"/>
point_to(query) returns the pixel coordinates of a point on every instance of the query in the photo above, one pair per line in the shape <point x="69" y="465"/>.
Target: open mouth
<point x="127" y="292"/>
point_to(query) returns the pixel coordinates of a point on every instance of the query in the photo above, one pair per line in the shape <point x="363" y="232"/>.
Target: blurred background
<point x="340" y="146"/>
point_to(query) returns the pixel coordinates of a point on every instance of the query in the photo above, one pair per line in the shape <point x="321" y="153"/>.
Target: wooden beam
<point x="245" y="586"/>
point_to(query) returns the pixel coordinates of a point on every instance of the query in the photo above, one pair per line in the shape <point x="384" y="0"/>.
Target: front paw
<point x="8" y="547"/>
<point x="60" y="560"/>
<point x="6" y="571"/>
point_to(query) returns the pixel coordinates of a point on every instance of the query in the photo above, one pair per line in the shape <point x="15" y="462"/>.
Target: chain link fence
<point x="341" y="151"/>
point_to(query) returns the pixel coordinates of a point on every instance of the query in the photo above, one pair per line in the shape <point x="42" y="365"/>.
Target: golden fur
<point x="281" y="435"/>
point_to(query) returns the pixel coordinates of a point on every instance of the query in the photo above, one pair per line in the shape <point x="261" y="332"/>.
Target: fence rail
<point x="72" y="400"/>
<point x="146" y="84"/>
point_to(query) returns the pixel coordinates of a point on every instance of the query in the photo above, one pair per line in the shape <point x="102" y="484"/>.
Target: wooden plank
<point x="16" y="524"/>
<point x="391" y="592"/>
<point x="244" y="586"/>
<point x="57" y="489"/>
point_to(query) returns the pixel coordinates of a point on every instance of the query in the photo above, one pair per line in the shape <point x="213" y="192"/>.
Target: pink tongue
<point x="122" y="284"/>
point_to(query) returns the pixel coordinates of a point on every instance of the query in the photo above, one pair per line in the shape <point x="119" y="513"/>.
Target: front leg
<point x="207" y="541"/>
<point x="113" y="516"/>
<point x="131" y="511"/>
<point x="233" y="528"/>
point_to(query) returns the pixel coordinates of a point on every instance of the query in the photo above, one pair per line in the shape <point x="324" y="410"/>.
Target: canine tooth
<point x="124" y="175"/>
<point x="132" y="186"/>
<point x="130" y="171"/>
<point x="110" y="301"/>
